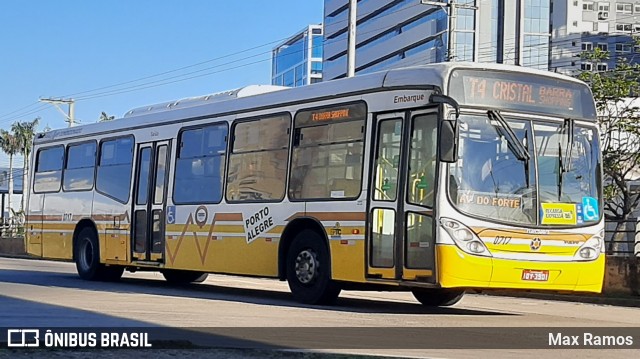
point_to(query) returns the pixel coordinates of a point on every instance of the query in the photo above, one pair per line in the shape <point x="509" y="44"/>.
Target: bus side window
<point x="258" y="160"/>
<point x="48" y="176"/>
<point x="80" y="168"/>
<point x="114" y="168"/>
<point x="200" y="165"/>
<point x="328" y="153"/>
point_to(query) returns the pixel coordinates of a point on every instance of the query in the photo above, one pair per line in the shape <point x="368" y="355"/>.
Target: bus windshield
<point x="556" y="184"/>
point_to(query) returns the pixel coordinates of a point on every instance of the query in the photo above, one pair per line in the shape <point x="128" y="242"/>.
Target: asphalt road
<point x="35" y="293"/>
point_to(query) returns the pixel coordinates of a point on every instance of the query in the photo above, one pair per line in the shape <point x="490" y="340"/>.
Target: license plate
<point x="535" y="275"/>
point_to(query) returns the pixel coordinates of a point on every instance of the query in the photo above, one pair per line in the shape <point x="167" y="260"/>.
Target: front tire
<point x="175" y="276"/>
<point x="438" y="297"/>
<point x="309" y="270"/>
<point x="87" y="258"/>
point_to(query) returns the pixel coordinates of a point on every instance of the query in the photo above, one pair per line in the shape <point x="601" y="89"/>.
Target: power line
<point x="3" y="118"/>
<point x="181" y="77"/>
<point x="186" y="76"/>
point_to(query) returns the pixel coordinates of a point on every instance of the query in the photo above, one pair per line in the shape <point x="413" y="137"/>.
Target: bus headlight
<point x="591" y="249"/>
<point x="464" y="237"/>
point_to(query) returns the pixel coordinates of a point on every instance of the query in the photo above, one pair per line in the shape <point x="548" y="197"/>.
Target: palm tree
<point x="11" y="146"/>
<point x="24" y="133"/>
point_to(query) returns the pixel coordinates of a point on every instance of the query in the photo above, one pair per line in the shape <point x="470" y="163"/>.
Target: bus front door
<point x="401" y="235"/>
<point x="150" y="193"/>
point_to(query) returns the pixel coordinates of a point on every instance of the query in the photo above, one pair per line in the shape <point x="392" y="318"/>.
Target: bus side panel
<point x="347" y="260"/>
<point x="58" y="225"/>
<point x="223" y="254"/>
<point x="344" y="224"/>
<point x="112" y="220"/>
<point x="34" y="224"/>
<point x="235" y="255"/>
<point x="216" y="239"/>
<point x="229" y="238"/>
<point x="114" y="239"/>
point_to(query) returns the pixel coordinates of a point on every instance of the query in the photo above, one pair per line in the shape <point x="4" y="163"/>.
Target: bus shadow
<point x="230" y="293"/>
<point x="36" y="317"/>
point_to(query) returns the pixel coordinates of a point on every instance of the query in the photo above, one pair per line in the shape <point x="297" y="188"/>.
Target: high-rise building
<point x="542" y="34"/>
<point x="581" y="25"/>
<point x="395" y="33"/>
<point x="298" y="60"/>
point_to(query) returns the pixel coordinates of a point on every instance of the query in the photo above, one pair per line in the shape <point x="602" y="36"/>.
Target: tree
<point x="11" y="146"/>
<point x="104" y="117"/>
<point x="24" y="133"/>
<point x="616" y="94"/>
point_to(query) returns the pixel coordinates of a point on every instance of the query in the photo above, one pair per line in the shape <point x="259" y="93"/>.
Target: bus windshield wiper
<point x="512" y="140"/>
<point x="564" y="161"/>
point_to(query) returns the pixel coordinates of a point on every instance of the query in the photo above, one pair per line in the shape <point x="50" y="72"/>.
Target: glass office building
<point x="298" y="60"/>
<point x="388" y="34"/>
<point x="397" y="33"/>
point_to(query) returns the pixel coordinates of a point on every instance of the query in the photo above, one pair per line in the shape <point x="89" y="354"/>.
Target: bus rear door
<point x="149" y="201"/>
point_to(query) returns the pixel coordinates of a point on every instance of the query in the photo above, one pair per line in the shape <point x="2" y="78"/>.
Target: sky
<point x="117" y="55"/>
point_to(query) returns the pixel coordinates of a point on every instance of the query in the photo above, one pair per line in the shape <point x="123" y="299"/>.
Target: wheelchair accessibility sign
<point x="590" y="211"/>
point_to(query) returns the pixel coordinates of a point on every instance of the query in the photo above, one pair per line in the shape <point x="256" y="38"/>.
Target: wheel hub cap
<point x="306" y="266"/>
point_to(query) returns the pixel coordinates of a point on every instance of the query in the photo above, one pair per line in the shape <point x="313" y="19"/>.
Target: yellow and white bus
<point x="432" y="179"/>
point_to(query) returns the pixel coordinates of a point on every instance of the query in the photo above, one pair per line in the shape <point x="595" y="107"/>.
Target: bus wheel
<point x="87" y="256"/>
<point x="184" y="276"/>
<point x="308" y="270"/>
<point x="437" y="297"/>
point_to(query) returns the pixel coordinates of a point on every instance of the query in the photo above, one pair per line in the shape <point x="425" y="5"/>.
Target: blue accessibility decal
<point x="590" y="211"/>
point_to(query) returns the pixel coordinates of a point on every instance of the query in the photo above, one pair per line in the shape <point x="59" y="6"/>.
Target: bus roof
<point x="250" y="90"/>
<point x="264" y="96"/>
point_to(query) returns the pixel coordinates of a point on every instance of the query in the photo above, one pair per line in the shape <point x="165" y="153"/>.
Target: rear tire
<point x="87" y="258"/>
<point x="175" y="276"/>
<point x="438" y="297"/>
<point x="309" y="270"/>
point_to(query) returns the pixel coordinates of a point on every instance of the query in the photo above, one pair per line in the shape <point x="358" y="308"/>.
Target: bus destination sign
<point x="345" y="112"/>
<point x="339" y="114"/>
<point x="521" y="92"/>
<point x="518" y="92"/>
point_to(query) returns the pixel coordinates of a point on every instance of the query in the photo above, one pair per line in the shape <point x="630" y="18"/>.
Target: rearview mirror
<point x="448" y="134"/>
<point x="448" y="142"/>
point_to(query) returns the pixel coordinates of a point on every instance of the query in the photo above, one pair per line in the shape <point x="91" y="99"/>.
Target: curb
<point x="624" y="300"/>
<point x="18" y="256"/>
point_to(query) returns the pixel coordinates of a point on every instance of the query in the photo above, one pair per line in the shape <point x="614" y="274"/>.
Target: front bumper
<point x="457" y="269"/>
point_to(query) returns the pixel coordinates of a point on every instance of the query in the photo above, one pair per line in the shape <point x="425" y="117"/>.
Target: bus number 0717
<point x="501" y="240"/>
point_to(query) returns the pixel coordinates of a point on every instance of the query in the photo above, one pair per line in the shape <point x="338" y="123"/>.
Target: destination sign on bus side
<point x="345" y="112"/>
<point x="522" y="92"/>
<point x="340" y="114"/>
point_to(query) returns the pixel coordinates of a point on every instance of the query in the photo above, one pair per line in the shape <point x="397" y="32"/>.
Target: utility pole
<point x="351" y="51"/>
<point x="70" y="117"/>
<point x="452" y="7"/>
